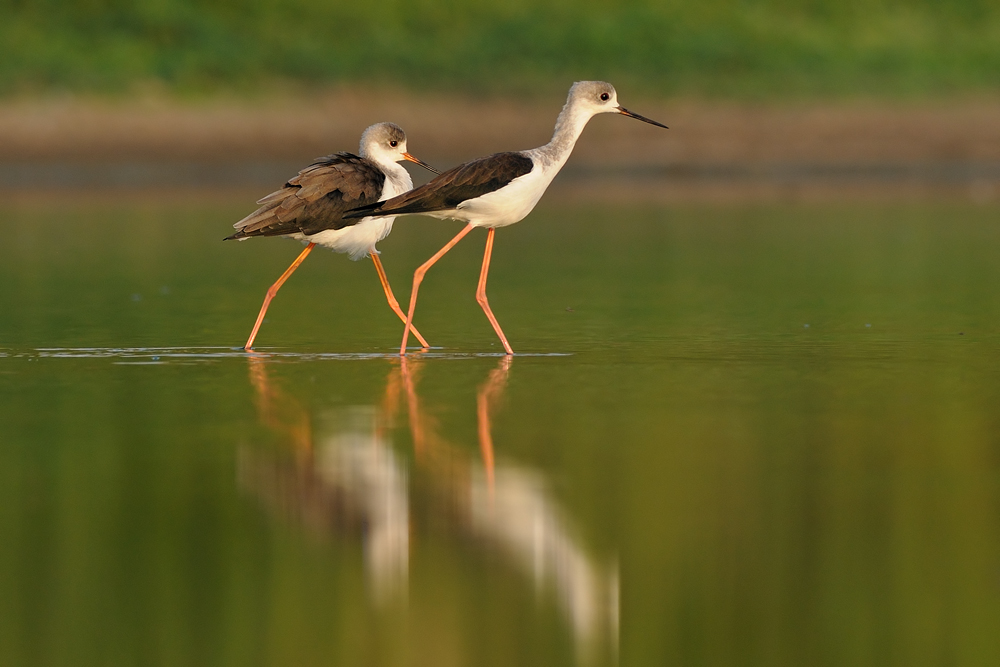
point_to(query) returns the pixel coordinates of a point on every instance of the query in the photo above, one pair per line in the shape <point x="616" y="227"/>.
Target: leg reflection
<point x="408" y="370"/>
<point x="343" y="479"/>
<point x="346" y="480"/>
<point x="511" y="509"/>
<point x="487" y="399"/>
<point x="280" y="411"/>
<point x="427" y="442"/>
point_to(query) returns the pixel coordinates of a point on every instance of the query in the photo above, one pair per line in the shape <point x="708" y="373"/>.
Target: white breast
<point x="507" y="205"/>
<point x="397" y="181"/>
<point x="359" y="239"/>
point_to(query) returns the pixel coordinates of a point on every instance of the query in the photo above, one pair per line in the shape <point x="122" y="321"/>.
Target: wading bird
<point x="499" y="190"/>
<point x="311" y="206"/>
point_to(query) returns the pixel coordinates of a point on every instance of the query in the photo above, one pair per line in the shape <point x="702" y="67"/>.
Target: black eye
<point x="393" y="143"/>
<point x="605" y="97"/>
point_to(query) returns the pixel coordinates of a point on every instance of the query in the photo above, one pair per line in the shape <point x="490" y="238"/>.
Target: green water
<point x="732" y="436"/>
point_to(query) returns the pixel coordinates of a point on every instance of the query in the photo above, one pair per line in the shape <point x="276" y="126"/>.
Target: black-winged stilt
<point x="499" y="190"/>
<point x="310" y="207"/>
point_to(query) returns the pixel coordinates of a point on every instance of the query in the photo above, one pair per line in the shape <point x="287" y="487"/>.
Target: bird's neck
<point x="569" y="126"/>
<point x="398" y="179"/>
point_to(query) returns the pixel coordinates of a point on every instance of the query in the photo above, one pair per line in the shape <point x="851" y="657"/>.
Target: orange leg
<point x="274" y="290"/>
<point x="481" y="291"/>
<point x="418" y="276"/>
<point x="391" y="299"/>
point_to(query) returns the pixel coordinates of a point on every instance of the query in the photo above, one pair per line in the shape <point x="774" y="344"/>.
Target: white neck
<point x="569" y="126"/>
<point x="397" y="179"/>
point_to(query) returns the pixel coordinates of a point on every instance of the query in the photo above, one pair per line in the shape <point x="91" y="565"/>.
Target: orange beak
<point x="423" y="164"/>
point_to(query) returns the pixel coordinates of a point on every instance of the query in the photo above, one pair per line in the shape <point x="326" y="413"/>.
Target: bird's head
<point x="597" y="97"/>
<point x="386" y="143"/>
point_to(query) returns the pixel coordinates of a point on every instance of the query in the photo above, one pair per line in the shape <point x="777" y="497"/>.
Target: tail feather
<point x="364" y="211"/>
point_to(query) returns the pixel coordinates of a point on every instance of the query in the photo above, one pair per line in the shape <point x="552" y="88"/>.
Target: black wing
<point x="447" y="191"/>
<point x="316" y="199"/>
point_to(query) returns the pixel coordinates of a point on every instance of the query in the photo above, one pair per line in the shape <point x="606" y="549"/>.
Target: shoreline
<point x="950" y="147"/>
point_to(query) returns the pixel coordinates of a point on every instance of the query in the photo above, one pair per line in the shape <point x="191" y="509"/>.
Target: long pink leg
<point x="274" y="290"/>
<point x="418" y="276"/>
<point x="481" y="291"/>
<point x="391" y="299"/>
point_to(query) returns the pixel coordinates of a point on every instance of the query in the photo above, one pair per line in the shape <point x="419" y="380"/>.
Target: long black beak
<point x="625" y="112"/>
<point x="422" y="163"/>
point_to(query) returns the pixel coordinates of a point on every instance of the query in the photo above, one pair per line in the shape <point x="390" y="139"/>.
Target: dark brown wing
<point x="447" y="191"/>
<point x="316" y="199"/>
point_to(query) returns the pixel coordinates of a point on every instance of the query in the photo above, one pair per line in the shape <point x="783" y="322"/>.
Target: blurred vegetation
<point x="711" y="47"/>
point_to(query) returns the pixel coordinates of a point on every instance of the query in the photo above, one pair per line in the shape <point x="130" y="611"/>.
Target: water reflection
<point x="343" y="478"/>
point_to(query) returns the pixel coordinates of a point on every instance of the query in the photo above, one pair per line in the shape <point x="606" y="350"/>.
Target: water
<point x="733" y="435"/>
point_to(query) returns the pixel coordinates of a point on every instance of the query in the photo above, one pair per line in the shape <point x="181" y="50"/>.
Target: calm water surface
<point x="733" y="436"/>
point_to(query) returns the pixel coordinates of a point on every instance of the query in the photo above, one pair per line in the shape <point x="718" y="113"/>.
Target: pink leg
<point x="274" y="290"/>
<point x="392" y="299"/>
<point x="481" y="291"/>
<point x="418" y="276"/>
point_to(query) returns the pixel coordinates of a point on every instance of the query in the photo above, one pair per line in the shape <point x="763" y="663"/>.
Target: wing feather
<point x="316" y="199"/>
<point x="451" y="188"/>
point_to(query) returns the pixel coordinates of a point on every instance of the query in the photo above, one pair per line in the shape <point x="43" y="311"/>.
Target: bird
<point x="310" y="207"/>
<point x="498" y="190"/>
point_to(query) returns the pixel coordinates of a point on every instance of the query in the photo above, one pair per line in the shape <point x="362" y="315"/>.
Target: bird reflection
<point x="343" y="478"/>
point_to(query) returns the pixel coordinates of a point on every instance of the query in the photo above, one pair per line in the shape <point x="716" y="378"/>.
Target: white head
<point x="594" y="97"/>
<point x="385" y="143"/>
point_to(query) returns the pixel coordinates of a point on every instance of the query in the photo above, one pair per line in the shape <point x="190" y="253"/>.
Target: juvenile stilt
<point x="310" y="207"/>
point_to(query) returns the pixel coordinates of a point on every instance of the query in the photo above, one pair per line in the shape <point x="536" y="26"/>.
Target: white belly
<point x="356" y="240"/>
<point x="359" y="239"/>
<point x="507" y="205"/>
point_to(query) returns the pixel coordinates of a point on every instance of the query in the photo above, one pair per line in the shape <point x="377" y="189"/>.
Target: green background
<point x="711" y="47"/>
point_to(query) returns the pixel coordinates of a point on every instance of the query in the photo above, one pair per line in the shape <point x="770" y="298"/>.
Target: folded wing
<point x="316" y="199"/>
<point x="451" y="188"/>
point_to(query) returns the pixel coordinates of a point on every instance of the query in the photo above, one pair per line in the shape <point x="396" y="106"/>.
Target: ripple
<point x="151" y="356"/>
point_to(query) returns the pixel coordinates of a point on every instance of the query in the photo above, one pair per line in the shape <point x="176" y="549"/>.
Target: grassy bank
<point x="713" y="47"/>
